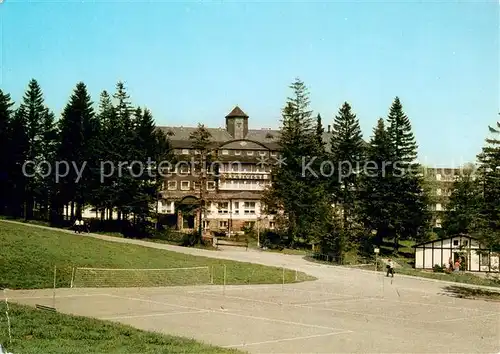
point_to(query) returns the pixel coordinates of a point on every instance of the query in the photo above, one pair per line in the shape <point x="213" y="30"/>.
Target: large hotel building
<point x="245" y="158"/>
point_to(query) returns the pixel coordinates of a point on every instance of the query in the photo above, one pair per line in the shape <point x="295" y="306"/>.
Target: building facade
<point x="473" y="256"/>
<point x="441" y="182"/>
<point x="233" y="195"/>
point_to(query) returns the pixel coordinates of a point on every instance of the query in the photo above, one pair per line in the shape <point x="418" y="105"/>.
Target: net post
<point x="224" y="286"/>
<point x="283" y="279"/>
<point x="211" y="274"/>
<point x="296" y="275"/>
<point x="7" y="314"/>
<point x="54" y="293"/>
<point x="72" y="277"/>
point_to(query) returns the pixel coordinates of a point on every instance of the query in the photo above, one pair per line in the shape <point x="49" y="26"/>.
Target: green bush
<point x="438" y="269"/>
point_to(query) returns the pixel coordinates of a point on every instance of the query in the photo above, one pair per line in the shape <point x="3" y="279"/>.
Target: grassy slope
<point x="35" y="331"/>
<point x="30" y="253"/>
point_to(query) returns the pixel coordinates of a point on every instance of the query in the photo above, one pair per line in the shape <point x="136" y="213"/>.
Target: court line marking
<point x="229" y="313"/>
<point x="151" y="315"/>
<point x="50" y="296"/>
<point x="445" y="306"/>
<point x="286" y="339"/>
<point x="468" y="318"/>
<point x="319" y="302"/>
<point x="278" y="288"/>
<point x="285" y="303"/>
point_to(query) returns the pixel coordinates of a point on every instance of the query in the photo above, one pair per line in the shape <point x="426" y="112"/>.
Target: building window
<point x="250" y="224"/>
<point x="196" y="186"/>
<point x="183" y="169"/>
<point x="222" y="224"/>
<point x="438" y="177"/>
<point x="236" y="208"/>
<point x="274" y="153"/>
<point x="237" y="152"/>
<point x="249" y="208"/>
<point x="223" y="207"/>
<point x="185" y="185"/>
<point x="235" y="167"/>
<point x="249" y="153"/>
<point x="484" y="259"/>
<point x="466" y="243"/>
<point x="172" y="185"/>
<point x="225" y="152"/>
<point x="210" y="185"/>
<point x="262" y="153"/>
<point x="439" y="207"/>
<point x="185" y="151"/>
<point x="197" y="152"/>
<point x="206" y="224"/>
<point x="272" y="225"/>
<point x="455" y="242"/>
<point x="438" y="191"/>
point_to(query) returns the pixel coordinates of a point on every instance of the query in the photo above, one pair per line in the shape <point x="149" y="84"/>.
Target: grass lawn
<point x="35" y="331"/>
<point x="29" y="255"/>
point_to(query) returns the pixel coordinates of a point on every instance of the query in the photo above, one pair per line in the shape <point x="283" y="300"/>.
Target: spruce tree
<point x="376" y="194"/>
<point x="125" y="186"/>
<point x="6" y="162"/>
<point x="201" y="140"/>
<point x="103" y="195"/>
<point x="18" y="150"/>
<point x="488" y="229"/>
<point x="463" y="209"/>
<point x="39" y="126"/>
<point x="412" y="217"/>
<point x="295" y="190"/>
<point x="77" y="134"/>
<point x="347" y="153"/>
<point x="402" y="138"/>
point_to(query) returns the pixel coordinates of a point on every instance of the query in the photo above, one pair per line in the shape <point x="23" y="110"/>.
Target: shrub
<point x="438" y="269"/>
<point x="190" y="239"/>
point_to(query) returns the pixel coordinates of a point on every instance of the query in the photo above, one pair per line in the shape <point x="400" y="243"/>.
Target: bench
<point x="219" y="242"/>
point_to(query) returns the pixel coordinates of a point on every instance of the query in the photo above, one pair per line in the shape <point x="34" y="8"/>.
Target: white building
<point x="474" y="256"/>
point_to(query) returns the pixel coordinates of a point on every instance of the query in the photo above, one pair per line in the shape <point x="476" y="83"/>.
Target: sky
<point x="192" y="62"/>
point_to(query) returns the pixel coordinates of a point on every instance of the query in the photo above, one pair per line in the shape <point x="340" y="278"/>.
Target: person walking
<point x="390" y="268"/>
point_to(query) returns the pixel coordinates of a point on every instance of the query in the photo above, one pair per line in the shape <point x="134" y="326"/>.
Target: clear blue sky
<point x="192" y="62"/>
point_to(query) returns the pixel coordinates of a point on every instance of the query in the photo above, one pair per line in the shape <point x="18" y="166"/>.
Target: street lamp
<point x="258" y="231"/>
<point x="376" y="250"/>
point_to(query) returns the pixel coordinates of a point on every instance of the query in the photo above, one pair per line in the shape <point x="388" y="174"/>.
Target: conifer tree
<point x="19" y="147"/>
<point x="39" y="126"/>
<point x="347" y="153"/>
<point x="125" y="186"/>
<point x="6" y="162"/>
<point x="412" y="217"/>
<point x="296" y="190"/>
<point x="201" y="140"/>
<point x="464" y="206"/>
<point x="103" y="194"/>
<point x="488" y="229"/>
<point x="376" y="194"/>
<point x="78" y="133"/>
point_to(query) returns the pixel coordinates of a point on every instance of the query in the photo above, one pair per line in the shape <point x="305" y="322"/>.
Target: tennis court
<point x="346" y="311"/>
